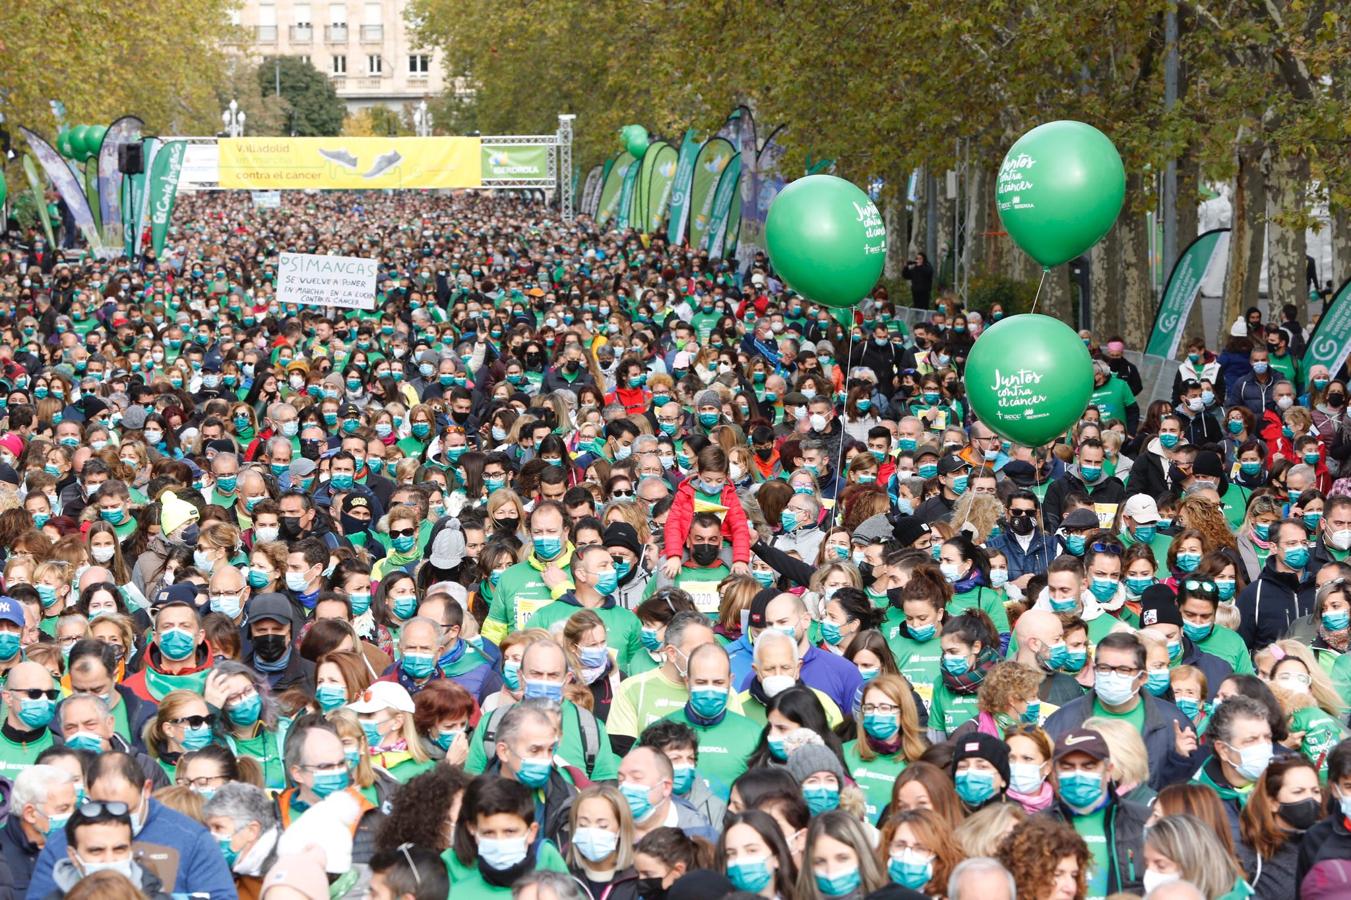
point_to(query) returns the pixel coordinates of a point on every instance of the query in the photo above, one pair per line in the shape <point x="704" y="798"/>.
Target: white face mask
<point x="1155" y="879"/>
<point x="102" y="554"/>
<point x="735" y="472"/>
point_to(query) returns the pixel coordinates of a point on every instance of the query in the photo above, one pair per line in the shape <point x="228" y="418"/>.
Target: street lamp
<point x="422" y="120"/>
<point x="234" y="120"/>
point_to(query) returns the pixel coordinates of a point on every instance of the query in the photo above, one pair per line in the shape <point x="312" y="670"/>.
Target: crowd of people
<point x="585" y="567"/>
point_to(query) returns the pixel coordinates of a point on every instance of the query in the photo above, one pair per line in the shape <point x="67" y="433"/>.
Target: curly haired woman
<point x="1047" y="858"/>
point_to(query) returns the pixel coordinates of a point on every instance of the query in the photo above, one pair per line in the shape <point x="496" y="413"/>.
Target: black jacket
<point x="1158" y="736"/>
<point x="1271" y="604"/>
<point x="1215" y="669"/>
<point x="299" y="672"/>
<point x="1109" y="489"/>
<point x="19" y="855"/>
<point x="1125" y="827"/>
<point x="1329" y="839"/>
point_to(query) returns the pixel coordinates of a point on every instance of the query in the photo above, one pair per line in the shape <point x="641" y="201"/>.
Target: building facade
<point x="366" y="47"/>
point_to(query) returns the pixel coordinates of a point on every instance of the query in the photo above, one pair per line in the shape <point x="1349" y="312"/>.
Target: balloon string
<point x="839" y="457"/>
<point x="1039" y="284"/>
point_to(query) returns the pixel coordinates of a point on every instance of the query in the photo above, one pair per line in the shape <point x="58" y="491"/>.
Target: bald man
<point x="30" y="702"/>
<point x="1040" y="639"/>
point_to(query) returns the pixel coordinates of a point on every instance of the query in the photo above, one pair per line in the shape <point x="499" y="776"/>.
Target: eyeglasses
<point x="201" y="781"/>
<point x="1194" y="584"/>
<point x="883" y="709"/>
<point x="191" y="721"/>
<point x="1124" y="671"/>
<point x="339" y="766"/>
<point x="403" y="532"/>
<point x="36" y="693"/>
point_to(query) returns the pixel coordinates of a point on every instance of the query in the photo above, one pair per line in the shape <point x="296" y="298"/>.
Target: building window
<point x="337" y="14"/>
<point x="303" y="15"/>
<point x="339" y="65"/>
<point x="305" y="58"/>
<point x="419" y="63"/>
<point x="375" y="64"/>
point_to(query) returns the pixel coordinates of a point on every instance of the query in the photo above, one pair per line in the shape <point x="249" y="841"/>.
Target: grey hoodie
<point x="66" y="875"/>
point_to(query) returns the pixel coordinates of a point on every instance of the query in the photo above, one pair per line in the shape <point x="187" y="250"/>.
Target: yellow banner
<point x="348" y="163"/>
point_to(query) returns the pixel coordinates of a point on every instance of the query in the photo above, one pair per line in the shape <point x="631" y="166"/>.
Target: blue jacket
<point x="832" y="675"/>
<point x="1158" y="734"/>
<point x="1040" y="551"/>
<point x="201" y="867"/>
<point x="741" y="656"/>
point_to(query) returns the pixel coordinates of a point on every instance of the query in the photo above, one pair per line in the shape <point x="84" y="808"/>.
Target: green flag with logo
<point x="729" y="188"/>
<point x="713" y="158"/>
<point x="680" y="188"/>
<point x="1331" y="340"/>
<point x="163" y="189"/>
<point x="1183" y="285"/>
<point x="657" y="196"/>
<point x="612" y="188"/>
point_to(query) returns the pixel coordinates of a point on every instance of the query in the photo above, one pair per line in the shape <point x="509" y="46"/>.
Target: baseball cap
<point x="11" y="611"/>
<point x="182" y="594"/>
<point x="1142" y="509"/>
<point x="952" y="463"/>
<point x="1080" y="519"/>
<point x="271" y="606"/>
<point x="1081" y="740"/>
<point x="382" y="695"/>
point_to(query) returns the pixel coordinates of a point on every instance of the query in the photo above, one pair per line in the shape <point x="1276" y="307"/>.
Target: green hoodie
<point x="521" y="592"/>
<point x="621" y="625"/>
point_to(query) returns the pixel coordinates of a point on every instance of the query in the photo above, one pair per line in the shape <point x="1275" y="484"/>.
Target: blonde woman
<point x="182" y="724"/>
<point x="386" y="715"/>
<point x="1128" y="760"/>
<point x="512" y="648"/>
<point x="19" y="569"/>
<point x="52" y="581"/>
<point x="1290" y="664"/>
<point x="981" y="832"/>
<point x="888" y="738"/>
<point x="1182" y="846"/>
<point x="603" y="835"/>
<point x="217" y="543"/>
<point x="375" y="784"/>
<point x="978" y="515"/>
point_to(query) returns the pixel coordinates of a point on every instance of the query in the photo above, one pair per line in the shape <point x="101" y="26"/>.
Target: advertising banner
<point x="769" y="181"/>
<point x="1331" y="340"/>
<point x="729" y="188"/>
<point x="140" y="193"/>
<point x="347" y="282"/>
<point x="350" y="163"/>
<point x="626" y="195"/>
<point x="512" y="162"/>
<point x="1183" y="285"/>
<point x="67" y="185"/>
<point x="713" y="158"/>
<point x="657" y="197"/>
<point x="591" y="191"/>
<point x="30" y="171"/>
<point x="164" y="191"/>
<point x="680" y="189"/>
<point x="265" y="199"/>
<point x="126" y="130"/>
<point x="613" y="187"/>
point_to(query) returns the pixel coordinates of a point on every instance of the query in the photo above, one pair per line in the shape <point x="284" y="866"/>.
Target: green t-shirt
<point x="1136" y="716"/>
<point x="1112" y="399"/>
<point x="1228" y="646"/>
<point x="1321" y="734"/>
<point x="265" y="748"/>
<point x="1093" y="829"/>
<point x="723" y="749"/>
<point x="1234" y="504"/>
<point x="949" y="710"/>
<point x="874" y="777"/>
<point x="520" y="592"/>
<point x="15" y="757"/>
<point x="919" y="661"/>
<point x="987" y="600"/>
<point x="571" y="746"/>
<point x="621" y="626"/>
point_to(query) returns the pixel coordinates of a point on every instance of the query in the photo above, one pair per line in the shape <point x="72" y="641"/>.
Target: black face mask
<point x="534" y="360"/>
<point x="507" y="524"/>
<point x="894" y="597"/>
<point x="764" y="453"/>
<point x="705" y="554"/>
<point x="1336" y="401"/>
<point x="571" y="365"/>
<point x="1300" y="815"/>
<point x="310" y="449"/>
<point x="290" y="527"/>
<point x="1022" y="525"/>
<point x="459" y="417"/>
<point x="865" y="569"/>
<point x="651" y="889"/>
<point x="270" y="647"/>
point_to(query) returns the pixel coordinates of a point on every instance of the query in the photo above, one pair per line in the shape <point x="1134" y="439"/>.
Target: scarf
<point x="271" y="668"/>
<point x="1034" y="803"/>
<point x="732" y="634"/>
<point x="885" y="748"/>
<point x="970" y="583"/>
<point x="969" y="681"/>
<point x="1337" y="640"/>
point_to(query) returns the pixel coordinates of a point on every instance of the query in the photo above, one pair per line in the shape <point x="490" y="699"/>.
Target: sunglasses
<point x="403" y="532"/>
<point x="1112" y="549"/>
<point x="1019" y="513"/>
<point x="94" y="808"/>
<point x="192" y="721"/>
<point x="628" y="493"/>
<point x="1195" y="584"/>
<point x="35" y="693"/>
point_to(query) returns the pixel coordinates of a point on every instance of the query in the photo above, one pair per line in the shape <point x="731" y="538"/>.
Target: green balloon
<point x="96" y="135"/>
<point x="826" y="240"/>
<point x="63" y="144"/>
<point x="635" y="139"/>
<point x="1060" y="189"/>
<point x="79" y="137"/>
<point x="1029" y="378"/>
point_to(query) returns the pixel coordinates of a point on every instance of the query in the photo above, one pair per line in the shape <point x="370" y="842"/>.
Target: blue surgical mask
<point x="975" y="786"/>
<point x="881" y="726"/>
<point x="543" y="690"/>
<point x="838" y="885"/>
<point x="1082" y="790"/>
<point x="751" y="875"/>
<point x="418" y="665"/>
<point x="502" y="853"/>
<point x="330" y="696"/>
<point x="821" y="798"/>
<point x="638" y="798"/>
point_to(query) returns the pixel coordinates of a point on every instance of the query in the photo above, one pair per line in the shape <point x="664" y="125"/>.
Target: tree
<point x="266" y="113"/>
<point x="314" y="108"/>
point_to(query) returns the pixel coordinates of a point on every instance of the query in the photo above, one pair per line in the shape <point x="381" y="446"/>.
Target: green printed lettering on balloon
<point x="826" y="239"/>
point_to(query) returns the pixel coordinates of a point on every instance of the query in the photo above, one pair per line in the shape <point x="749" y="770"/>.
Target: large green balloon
<point x="63" y="144"/>
<point x="1060" y="189"/>
<point x="826" y="240"/>
<point x="1029" y="378"/>
<point x="79" y="137"/>
<point x="635" y="140"/>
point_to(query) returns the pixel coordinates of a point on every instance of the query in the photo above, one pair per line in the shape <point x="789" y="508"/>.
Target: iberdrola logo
<point x="717" y="163"/>
<point x="497" y="158"/>
<point x="667" y="169"/>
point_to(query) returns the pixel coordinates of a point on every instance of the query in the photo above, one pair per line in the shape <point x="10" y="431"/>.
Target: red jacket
<point x="735" y="528"/>
<point x="636" y="400"/>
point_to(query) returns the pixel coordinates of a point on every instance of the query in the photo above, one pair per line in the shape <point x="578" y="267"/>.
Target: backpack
<point x="585" y="724"/>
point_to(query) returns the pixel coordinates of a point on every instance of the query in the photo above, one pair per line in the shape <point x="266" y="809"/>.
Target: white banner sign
<point x="266" y="199"/>
<point x="343" y="281"/>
